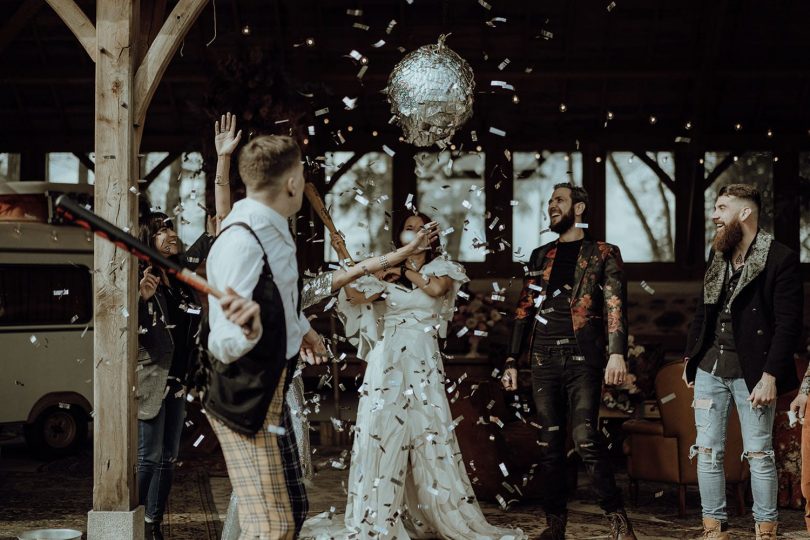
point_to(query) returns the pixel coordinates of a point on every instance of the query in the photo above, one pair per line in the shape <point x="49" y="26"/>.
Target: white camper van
<point x="46" y="318"/>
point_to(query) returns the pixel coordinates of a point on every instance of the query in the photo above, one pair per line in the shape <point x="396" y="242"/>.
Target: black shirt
<point x="179" y="322"/>
<point x="721" y="359"/>
<point x="556" y="308"/>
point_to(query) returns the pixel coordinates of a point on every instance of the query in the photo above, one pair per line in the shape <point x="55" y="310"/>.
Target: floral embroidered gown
<point x="407" y="476"/>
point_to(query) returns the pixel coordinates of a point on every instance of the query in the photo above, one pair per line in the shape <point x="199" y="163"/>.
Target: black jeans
<point x="566" y="386"/>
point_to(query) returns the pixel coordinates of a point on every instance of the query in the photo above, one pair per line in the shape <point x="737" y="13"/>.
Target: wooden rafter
<point x="160" y="53"/>
<point x="18" y="21"/>
<point x="73" y="16"/>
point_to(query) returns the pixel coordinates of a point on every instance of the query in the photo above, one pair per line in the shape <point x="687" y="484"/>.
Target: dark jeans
<point x="566" y="386"/>
<point x="158" y="446"/>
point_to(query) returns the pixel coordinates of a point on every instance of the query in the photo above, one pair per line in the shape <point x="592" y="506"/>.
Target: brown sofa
<point x="658" y="451"/>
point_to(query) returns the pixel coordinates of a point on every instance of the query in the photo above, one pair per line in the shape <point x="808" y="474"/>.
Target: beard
<point x="728" y="237"/>
<point x="567" y="221"/>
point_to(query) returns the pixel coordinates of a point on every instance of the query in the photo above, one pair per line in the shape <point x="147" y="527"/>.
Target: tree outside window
<point x="535" y="174"/>
<point x="359" y="201"/>
<point x="641" y="205"/>
<point x="723" y="168"/>
<point x="178" y="191"/>
<point x="450" y="189"/>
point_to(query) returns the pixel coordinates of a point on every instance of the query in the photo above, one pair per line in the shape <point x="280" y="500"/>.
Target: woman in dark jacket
<point x="168" y="320"/>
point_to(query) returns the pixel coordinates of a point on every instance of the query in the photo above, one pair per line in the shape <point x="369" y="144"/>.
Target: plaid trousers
<point x="259" y="475"/>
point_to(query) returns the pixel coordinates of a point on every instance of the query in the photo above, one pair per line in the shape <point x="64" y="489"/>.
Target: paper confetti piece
<point x="496" y="131"/>
<point x="198" y="441"/>
<point x="667" y="398"/>
<point x="581" y="225"/>
<point x="388" y="150"/>
<point x="647" y="288"/>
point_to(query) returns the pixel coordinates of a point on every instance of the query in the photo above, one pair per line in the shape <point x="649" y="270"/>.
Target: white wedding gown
<point x="407" y="477"/>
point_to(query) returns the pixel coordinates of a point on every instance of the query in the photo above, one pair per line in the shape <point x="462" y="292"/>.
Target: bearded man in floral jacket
<point x="574" y="294"/>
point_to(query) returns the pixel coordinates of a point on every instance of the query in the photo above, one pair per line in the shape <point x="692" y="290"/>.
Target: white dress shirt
<point x="235" y="261"/>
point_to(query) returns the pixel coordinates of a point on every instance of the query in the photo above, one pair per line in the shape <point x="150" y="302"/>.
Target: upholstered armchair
<point x="659" y="451"/>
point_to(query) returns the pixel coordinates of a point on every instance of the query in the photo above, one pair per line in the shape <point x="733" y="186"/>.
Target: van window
<point x="45" y="294"/>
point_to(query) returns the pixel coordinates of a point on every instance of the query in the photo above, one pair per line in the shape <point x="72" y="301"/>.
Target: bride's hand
<point x="425" y="237"/>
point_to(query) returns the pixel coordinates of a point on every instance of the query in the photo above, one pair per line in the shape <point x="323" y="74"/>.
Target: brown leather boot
<point x="714" y="530"/>
<point x="620" y="526"/>
<point x="556" y="527"/>
<point x="766" y="530"/>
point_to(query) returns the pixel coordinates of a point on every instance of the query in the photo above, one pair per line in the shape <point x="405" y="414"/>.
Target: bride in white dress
<point x="407" y="476"/>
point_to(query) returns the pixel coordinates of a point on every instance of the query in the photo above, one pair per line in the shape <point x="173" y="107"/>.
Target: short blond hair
<point x="265" y="161"/>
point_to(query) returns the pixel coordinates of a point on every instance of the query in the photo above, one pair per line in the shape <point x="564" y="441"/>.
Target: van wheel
<point x="57" y="432"/>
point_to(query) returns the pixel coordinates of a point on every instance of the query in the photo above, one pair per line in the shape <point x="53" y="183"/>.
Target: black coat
<point x="766" y="312"/>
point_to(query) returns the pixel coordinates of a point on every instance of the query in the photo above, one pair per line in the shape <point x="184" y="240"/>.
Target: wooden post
<point x="116" y="278"/>
<point x="593" y="180"/>
<point x="124" y="89"/>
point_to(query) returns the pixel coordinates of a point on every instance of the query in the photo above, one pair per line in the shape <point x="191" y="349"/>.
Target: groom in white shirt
<point x="254" y="260"/>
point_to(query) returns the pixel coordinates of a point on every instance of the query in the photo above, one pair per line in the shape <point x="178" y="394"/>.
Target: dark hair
<point x="578" y="193"/>
<point x="742" y="191"/>
<point x="264" y="160"/>
<point x="151" y="224"/>
<point x="400" y="226"/>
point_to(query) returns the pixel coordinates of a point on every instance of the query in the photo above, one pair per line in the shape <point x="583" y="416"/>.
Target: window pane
<point x="804" y="208"/>
<point x="451" y="191"/>
<point x="754" y="168"/>
<point x="177" y="190"/>
<point x="535" y="175"/>
<point x="359" y="202"/>
<point x="65" y="168"/>
<point x="9" y="167"/>
<point x="641" y="208"/>
<point x="45" y="294"/>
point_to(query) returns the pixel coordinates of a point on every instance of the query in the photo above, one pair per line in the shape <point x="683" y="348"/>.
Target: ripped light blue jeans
<point x="713" y="399"/>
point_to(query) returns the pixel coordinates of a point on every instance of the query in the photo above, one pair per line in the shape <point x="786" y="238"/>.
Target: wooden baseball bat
<point x="71" y="210"/>
<point x="318" y="205"/>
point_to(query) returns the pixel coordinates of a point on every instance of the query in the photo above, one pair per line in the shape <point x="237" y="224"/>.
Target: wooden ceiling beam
<point x="78" y="22"/>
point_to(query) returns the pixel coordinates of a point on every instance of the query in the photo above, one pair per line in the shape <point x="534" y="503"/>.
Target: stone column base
<point x="115" y="525"/>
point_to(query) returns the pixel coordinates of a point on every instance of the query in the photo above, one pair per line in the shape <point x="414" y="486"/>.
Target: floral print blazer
<point x="598" y="300"/>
